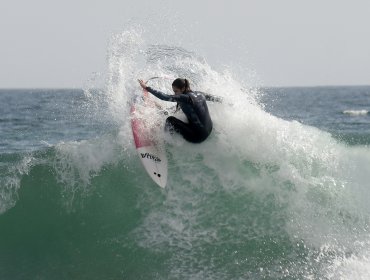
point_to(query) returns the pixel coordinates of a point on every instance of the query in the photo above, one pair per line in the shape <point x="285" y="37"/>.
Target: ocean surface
<point x="279" y="191"/>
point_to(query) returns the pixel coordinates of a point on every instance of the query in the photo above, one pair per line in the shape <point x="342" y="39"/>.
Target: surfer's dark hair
<point x="181" y="83"/>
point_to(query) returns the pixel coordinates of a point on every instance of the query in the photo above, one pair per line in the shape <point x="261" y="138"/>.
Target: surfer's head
<point x="181" y="86"/>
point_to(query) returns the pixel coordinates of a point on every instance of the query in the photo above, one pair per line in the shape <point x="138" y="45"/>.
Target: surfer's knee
<point x="171" y="119"/>
<point x="169" y="126"/>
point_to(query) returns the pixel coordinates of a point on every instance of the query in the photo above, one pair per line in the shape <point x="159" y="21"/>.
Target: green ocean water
<point x="279" y="191"/>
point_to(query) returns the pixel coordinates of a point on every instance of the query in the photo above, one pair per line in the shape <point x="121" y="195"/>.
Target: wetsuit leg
<point x="185" y="129"/>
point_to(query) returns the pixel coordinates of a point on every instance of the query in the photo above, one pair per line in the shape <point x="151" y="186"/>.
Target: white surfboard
<point x="151" y="151"/>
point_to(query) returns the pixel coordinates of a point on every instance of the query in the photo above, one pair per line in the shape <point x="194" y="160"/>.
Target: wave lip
<point x="356" y="112"/>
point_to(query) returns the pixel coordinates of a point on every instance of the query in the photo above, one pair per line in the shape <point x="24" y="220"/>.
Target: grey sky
<point x="47" y="43"/>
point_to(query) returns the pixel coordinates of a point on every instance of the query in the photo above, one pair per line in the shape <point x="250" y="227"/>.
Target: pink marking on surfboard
<point x="141" y="137"/>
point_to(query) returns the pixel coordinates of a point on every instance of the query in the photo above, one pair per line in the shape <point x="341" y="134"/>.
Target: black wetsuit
<point x="194" y="106"/>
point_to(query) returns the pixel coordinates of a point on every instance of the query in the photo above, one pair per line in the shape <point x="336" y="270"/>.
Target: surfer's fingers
<point x="142" y="83"/>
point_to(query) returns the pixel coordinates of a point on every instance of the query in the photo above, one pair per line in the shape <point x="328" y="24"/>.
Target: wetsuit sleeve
<point x="212" y="98"/>
<point x="182" y="98"/>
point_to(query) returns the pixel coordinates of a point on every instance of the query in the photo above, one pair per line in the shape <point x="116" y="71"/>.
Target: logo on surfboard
<point x="150" y="156"/>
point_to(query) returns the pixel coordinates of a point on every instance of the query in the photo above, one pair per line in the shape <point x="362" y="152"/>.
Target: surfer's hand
<point x="142" y="84"/>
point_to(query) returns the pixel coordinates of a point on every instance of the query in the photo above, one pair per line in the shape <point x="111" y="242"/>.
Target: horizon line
<point x="262" y="86"/>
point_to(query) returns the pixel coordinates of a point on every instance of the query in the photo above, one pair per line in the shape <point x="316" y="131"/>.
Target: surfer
<point x="194" y="106"/>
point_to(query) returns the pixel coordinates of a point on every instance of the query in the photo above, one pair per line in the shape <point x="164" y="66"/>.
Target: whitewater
<point x="263" y="198"/>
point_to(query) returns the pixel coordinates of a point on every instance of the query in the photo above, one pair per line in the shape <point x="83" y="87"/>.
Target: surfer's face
<point x="177" y="90"/>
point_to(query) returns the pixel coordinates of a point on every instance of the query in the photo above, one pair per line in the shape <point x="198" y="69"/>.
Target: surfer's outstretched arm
<point x="163" y="96"/>
<point x="167" y="97"/>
